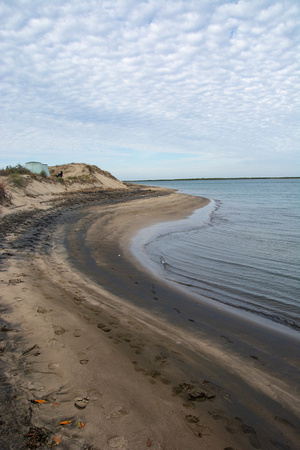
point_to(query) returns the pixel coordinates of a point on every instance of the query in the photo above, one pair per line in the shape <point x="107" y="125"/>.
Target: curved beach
<point x="136" y="360"/>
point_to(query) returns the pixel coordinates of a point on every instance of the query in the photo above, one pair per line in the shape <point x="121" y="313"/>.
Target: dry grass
<point x="11" y="170"/>
<point x="4" y="197"/>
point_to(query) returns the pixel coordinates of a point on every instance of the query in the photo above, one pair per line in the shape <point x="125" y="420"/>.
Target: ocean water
<point x="242" y="250"/>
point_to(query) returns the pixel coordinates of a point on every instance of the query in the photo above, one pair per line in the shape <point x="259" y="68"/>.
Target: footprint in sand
<point x="51" y="342"/>
<point x="154" y="374"/>
<point x="193" y="423"/>
<point x="117" y="413"/>
<point x="53" y="366"/>
<point x="227" y="339"/>
<point x="237" y="426"/>
<point x="77" y="300"/>
<point x="117" y="442"/>
<point x="192" y="419"/>
<point x="126" y="337"/>
<point x="81" y="403"/>
<point x="104" y="327"/>
<point x="164" y="381"/>
<point x="136" y="344"/>
<point x="58" y="330"/>
<point x="284" y="421"/>
<point x="114" y="321"/>
<point x="137" y="368"/>
<point x="83" y="359"/>
<point x="77" y="332"/>
<point x="161" y="359"/>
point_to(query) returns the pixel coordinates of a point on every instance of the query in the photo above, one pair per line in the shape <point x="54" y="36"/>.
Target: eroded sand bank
<point x="111" y="347"/>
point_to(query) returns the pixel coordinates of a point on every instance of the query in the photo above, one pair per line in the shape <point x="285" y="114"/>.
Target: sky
<point x="151" y="89"/>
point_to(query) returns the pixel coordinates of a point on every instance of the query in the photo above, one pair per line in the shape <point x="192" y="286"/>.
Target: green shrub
<point x="17" y="179"/>
<point x="89" y="168"/>
<point x="18" y="169"/>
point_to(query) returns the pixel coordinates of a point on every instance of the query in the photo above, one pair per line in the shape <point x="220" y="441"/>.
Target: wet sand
<point x="115" y="348"/>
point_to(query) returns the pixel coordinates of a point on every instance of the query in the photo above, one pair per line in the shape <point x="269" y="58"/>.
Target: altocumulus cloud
<point x="152" y="88"/>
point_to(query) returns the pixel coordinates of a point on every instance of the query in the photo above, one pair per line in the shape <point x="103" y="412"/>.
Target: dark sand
<point x="107" y="344"/>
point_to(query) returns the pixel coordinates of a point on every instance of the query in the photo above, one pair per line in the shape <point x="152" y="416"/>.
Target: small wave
<point x="239" y="250"/>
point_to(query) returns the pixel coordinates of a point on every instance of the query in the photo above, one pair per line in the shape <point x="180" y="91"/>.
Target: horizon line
<point x="213" y="179"/>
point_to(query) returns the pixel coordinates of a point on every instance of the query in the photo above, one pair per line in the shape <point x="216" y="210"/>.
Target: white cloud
<point x="171" y="76"/>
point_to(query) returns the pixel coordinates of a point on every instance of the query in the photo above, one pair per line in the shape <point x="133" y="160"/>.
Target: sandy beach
<point x="98" y="353"/>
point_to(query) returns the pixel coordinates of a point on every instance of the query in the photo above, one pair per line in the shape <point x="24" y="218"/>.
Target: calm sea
<point x="243" y="249"/>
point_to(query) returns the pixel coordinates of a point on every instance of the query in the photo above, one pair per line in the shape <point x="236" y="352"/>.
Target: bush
<point x="89" y="168"/>
<point x="17" y="179"/>
<point x="18" y="169"/>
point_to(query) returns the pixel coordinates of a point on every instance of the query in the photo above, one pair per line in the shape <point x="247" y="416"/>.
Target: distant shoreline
<point x="214" y="179"/>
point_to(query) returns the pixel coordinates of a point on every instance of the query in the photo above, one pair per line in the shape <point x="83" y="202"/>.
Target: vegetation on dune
<point x="81" y="178"/>
<point x="17" y="179"/>
<point x="88" y="172"/>
<point x="18" y="169"/>
<point x="19" y="176"/>
<point x="4" y="197"/>
<point x="89" y="168"/>
<point x="15" y="175"/>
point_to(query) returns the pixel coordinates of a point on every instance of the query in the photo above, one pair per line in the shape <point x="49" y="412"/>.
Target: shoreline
<point x="140" y="257"/>
<point x="97" y="331"/>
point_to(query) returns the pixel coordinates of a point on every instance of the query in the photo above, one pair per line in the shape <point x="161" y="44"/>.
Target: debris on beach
<point x="80" y="424"/>
<point x="57" y="439"/>
<point x="65" y="422"/>
<point x="197" y="393"/>
<point x="38" y="437"/>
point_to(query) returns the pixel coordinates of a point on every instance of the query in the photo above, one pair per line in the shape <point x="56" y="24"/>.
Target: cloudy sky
<point x="150" y="89"/>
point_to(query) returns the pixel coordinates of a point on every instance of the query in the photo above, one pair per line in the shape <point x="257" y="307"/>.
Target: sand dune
<point x="36" y="192"/>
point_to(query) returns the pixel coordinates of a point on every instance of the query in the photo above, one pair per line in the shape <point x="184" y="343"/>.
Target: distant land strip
<point x="215" y="179"/>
